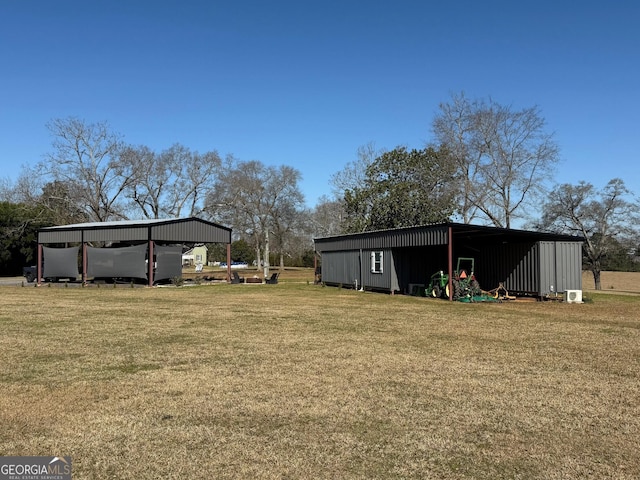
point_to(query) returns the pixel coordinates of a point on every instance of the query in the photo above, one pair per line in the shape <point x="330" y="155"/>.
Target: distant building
<point x="195" y="256"/>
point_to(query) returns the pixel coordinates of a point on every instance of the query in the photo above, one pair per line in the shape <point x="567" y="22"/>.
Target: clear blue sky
<point x="305" y="83"/>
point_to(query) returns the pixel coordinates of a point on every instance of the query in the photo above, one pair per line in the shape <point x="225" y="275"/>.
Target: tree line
<point x="488" y="163"/>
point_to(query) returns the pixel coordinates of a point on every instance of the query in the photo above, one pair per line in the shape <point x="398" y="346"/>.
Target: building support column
<point x="228" y="263"/>
<point x="151" y="263"/>
<point x="39" y="265"/>
<point x="84" y="263"/>
<point x="450" y="261"/>
<point x="360" y="261"/>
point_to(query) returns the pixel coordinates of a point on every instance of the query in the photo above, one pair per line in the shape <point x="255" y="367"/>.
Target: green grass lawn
<point x="302" y="381"/>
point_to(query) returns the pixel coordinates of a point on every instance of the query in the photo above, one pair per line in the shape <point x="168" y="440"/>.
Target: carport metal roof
<point x="429" y="235"/>
<point x="181" y="230"/>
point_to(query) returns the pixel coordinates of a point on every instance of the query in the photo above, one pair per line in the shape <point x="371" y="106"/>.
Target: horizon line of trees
<point x="488" y="163"/>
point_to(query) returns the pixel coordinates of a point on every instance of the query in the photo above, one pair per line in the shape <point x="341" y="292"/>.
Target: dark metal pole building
<point x="524" y="262"/>
<point x="149" y="249"/>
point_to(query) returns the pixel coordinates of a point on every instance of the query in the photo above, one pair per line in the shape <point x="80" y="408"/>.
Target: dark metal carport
<point x="147" y="239"/>
<point x="530" y="263"/>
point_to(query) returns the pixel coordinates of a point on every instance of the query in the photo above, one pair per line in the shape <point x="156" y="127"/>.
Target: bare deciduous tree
<point x="597" y="216"/>
<point x="455" y="127"/>
<point x="61" y="204"/>
<point x="502" y="155"/>
<point x="57" y="202"/>
<point x="26" y="188"/>
<point x="354" y="174"/>
<point x="7" y="191"/>
<point x="327" y="217"/>
<point x="152" y="179"/>
<point x="289" y="228"/>
<point x="170" y="184"/>
<point x="86" y="157"/>
<point x="194" y="175"/>
<point x="253" y="198"/>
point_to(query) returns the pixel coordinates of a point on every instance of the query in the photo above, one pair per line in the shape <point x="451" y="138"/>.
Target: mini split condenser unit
<point x="573" y="296"/>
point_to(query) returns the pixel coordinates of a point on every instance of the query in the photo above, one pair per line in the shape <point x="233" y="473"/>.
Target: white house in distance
<point x="195" y="256"/>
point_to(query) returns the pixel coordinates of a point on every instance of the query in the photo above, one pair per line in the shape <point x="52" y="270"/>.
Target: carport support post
<point x="450" y="261"/>
<point x="150" y="262"/>
<point x="39" y="265"/>
<point x="84" y="263"/>
<point x="315" y="267"/>
<point x="228" y="263"/>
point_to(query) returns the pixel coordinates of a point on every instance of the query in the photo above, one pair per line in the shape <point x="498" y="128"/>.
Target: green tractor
<point x="464" y="282"/>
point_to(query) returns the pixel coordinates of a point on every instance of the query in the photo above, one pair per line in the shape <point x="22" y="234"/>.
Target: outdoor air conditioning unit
<point x="573" y="296"/>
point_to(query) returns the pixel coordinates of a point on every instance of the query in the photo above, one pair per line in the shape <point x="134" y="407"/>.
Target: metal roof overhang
<point x="431" y="235"/>
<point x="182" y="230"/>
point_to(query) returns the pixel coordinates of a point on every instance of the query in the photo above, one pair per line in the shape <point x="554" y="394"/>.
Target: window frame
<point x="377" y="261"/>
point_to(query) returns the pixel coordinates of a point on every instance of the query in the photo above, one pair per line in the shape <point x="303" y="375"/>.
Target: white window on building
<point x="376" y="262"/>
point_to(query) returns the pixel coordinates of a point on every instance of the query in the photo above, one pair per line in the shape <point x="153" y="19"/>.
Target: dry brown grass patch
<point x="618" y="282"/>
<point x="297" y="381"/>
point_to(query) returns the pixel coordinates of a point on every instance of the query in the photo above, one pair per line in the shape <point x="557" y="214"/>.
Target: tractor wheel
<point x="474" y="287"/>
<point x="456" y="289"/>
<point x="436" y="292"/>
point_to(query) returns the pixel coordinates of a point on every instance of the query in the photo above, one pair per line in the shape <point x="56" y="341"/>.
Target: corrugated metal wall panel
<point x="418" y="237"/>
<point x="574" y="269"/>
<point x="191" y="230"/>
<point x="347" y="268"/>
<point x="524" y="278"/>
<point x="127" y="234"/>
<point x="340" y="267"/>
<point x="74" y="236"/>
<point x="541" y="268"/>
<point x="512" y="264"/>
<point x="194" y="231"/>
<point x="569" y="266"/>
<point x="548" y="264"/>
<point x="378" y="281"/>
<point x="560" y="267"/>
